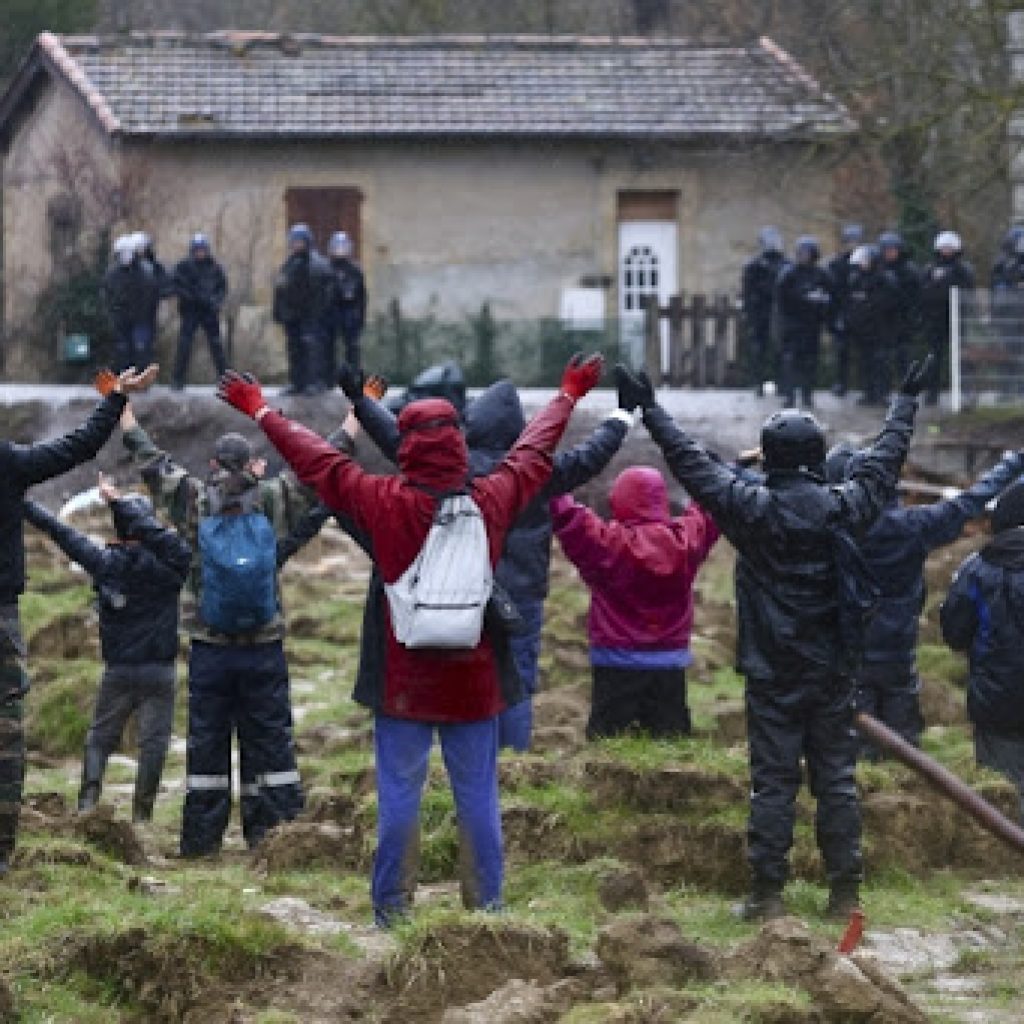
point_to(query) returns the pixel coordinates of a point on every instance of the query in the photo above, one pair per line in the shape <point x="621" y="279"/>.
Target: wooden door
<point x="327" y="210"/>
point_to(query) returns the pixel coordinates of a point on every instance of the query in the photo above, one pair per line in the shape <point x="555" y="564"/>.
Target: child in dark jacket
<point x="138" y="579"/>
<point x="983" y="614"/>
<point x="640" y="568"/>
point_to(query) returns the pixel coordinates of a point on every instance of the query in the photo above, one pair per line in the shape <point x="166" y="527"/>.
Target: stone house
<point x="514" y="171"/>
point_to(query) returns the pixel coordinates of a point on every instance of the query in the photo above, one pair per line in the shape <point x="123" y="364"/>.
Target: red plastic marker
<point x="854" y="931"/>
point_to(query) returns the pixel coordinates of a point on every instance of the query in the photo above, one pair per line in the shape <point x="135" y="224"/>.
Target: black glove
<point x="917" y="377"/>
<point x="635" y="390"/>
<point x="351" y="381"/>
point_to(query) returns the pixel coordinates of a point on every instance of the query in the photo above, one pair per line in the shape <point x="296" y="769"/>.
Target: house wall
<point x="446" y="226"/>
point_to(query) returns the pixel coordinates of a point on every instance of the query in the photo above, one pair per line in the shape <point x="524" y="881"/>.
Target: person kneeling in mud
<point x="138" y="580"/>
<point x="439" y="663"/>
<point x="640" y="569"/>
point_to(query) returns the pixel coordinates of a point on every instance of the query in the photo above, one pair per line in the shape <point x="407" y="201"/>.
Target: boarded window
<point x="661" y="205"/>
<point x="327" y="210"/>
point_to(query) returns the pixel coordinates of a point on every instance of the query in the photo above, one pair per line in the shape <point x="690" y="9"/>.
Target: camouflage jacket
<point x="183" y="498"/>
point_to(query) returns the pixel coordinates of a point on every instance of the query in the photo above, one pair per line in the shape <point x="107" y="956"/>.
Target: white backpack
<point x="440" y="600"/>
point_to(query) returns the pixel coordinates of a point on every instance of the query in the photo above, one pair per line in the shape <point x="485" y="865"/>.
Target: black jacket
<point x="23" y="465"/>
<point x="939" y="277"/>
<point x="896" y="548"/>
<point x="137" y="585"/>
<point x="839" y="269"/>
<point x="984" y="614"/>
<point x="200" y="285"/>
<point x="493" y="423"/>
<point x="303" y="290"/>
<point x="348" y="287"/>
<point x="758" y="290"/>
<point x="805" y="297"/>
<point x="869" y="306"/>
<point x="787" y="587"/>
<point x="907" y="275"/>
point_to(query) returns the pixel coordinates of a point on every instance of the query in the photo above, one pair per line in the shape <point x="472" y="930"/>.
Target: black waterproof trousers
<point x="241" y="688"/>
<point x="789" y="727"/>
<point x="891" y="693"/>
<point x="652" y="701"/>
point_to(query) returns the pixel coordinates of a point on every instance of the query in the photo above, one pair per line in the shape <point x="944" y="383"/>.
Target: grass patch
<point x="937" y="661"/>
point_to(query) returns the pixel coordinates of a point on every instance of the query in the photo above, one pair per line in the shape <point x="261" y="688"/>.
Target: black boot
<point x="764" y="903"/>
<point x="843" y="899"/>
<point x="147" y="784"/>
<point x="93" y="764"/>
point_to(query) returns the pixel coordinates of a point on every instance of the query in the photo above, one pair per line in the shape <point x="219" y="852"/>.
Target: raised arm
<point x="942" y="522"/>
<point x="380" y="424"/>
<point x="527" y="467"/>
<point x="166" y="479"/>
<point x="874" y="477"/>
<point x="583" y="536"/>
<point x="76" y="545"/>
<point x="166" y="545"/>
<point x="575" y="467"/>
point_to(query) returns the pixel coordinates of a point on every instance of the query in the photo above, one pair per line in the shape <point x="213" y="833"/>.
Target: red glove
<point x="243" y="391"/>
<point x="581" y="375"/>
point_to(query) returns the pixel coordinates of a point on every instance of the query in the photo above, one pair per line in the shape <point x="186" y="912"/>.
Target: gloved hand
<point x="351" y="380"/>
<point x="635" y="390"/>
<point x="917" y="377"/>
<point x="581" y="375"/>
<point x="105" y="382"/>
<point x="375" y="387"/>
<point x="243" y="391"/>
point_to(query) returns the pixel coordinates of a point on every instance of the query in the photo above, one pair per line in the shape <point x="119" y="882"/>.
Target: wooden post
<point x="700" y="349"/>
<point x="652" y="337"/>
<point x="400" y="354"/>
<point x="721" y="350"/>
<point x="676" y="341"/>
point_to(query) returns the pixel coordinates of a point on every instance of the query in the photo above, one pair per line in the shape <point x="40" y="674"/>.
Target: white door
<point x="647" y="265"/>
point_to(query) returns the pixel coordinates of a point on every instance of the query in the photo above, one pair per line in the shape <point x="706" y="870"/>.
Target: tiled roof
<point x="246" y="84"/>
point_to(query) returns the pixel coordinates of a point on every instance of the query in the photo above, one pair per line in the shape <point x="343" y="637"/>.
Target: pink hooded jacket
<point x="640" y="569"/>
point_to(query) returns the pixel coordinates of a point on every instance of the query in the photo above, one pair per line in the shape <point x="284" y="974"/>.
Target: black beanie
<point x="1009" y="510"/>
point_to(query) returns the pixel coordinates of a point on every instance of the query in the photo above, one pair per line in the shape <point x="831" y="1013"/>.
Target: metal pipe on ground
<point x="942" y="779"/>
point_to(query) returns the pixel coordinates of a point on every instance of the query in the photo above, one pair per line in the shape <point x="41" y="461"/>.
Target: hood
<point x="495" y="420"/>
<point x="1006" y="549"/>
<point x="432" y="451"/>
<point x="639" y="495"/>
<point x="127" y="511"/>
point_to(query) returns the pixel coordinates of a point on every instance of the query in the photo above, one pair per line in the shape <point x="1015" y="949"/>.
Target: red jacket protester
<point x="431" y="686"/>
<point x="640" y="568"/>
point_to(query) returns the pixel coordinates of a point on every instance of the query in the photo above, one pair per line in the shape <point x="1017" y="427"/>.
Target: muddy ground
<point x="625" y="857"/>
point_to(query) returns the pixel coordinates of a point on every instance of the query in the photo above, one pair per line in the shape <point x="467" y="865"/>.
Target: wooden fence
<point x="703" y="340"/>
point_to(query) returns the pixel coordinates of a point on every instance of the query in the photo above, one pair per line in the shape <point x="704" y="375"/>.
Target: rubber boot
<point x="93" y="764"/>
<point x="764" y="903"/>
<point x="147" y="783"/>
<point x="843" y="899"/>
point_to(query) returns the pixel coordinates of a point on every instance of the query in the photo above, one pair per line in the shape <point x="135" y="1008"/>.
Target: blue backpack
<point x="238" y="559"/>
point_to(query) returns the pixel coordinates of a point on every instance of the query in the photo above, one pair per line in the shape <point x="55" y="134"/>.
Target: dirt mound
<point x="114" y="837"/>
<point x="326" y="740"/>
<point x="326" y="806"/>
<point x="671" y="852"/>
<point x="844" y="990"/>
<point x="50" y="804"/>
<point x="641" y="950"/>
<point x="68" y="636"/>
<point x="730" y="722"/>
<point x="922" y="832"/>
<point x="623" y="889"/>
<point x="172" y="977"/>
<point x="463" y="961"/>
<point x="659" y="790"/>
<point x="298" y="845"/>
<point x="54" y="853"/>
<point x="533" y="833"/>
<point x="520" y="1002"/>
<point x="942" y="704"/>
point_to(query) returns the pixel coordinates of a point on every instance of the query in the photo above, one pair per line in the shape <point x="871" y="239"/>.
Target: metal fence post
<point x="956" y="393"/>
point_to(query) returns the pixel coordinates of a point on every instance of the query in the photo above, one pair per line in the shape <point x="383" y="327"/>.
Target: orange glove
<point x="105" y="382"/>
<point x="375" y="387"/>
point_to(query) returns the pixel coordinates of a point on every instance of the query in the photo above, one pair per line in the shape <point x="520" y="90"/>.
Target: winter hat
<point x="948" y="240"/>
<point x="232" y="452"/>
<point x="127" y="511"/>
<point x="1009" y="510"/>
<point x="432" y="449"/>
